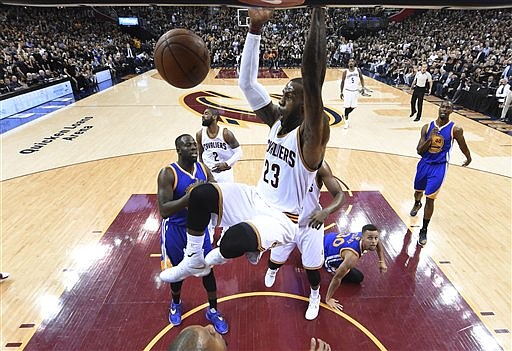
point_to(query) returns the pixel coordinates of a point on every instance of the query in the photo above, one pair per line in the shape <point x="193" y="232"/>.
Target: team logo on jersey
<point x="198" y="101"/>
<point x="437" y="144"/>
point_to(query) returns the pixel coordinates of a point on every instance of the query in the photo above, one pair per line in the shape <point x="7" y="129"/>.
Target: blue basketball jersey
<point x="439" y="150"/>
<point x="335" y="243"/>
<point x="173" y="238"/>
<point x="182" y="181"/>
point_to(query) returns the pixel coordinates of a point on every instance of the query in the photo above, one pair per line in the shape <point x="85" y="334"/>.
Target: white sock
<point x="314" y="293"/>
<point x="194" y="244"/>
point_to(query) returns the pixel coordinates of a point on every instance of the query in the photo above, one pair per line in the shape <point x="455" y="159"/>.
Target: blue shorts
<point x="173" y="241"/>
<point x="430" y="177"/>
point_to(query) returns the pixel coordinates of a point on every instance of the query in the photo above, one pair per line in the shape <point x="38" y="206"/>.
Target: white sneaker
<point x="313" y="308"/>
<point x="253" y="256"/>
<point x="214" y="258"/>
<point x="270" y="277"/>
<point x="190" y="265"/>
<point x="346" y="124"/>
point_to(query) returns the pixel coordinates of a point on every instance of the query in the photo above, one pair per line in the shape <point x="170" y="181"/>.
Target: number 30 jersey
<point x="285" y="178"/>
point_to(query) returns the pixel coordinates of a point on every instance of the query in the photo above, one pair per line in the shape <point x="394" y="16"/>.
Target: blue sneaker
<point x="175" y="313"/>
<point x="218" y="321"/>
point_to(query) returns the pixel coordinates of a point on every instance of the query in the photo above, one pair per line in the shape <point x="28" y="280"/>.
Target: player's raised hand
<point x="333" y="303"/>
<point x="260" y="16"/>
<point x="317" y="218"/>
<point x="383" y="268"/>
<point x="219" y="167"/>
<point x="322" y="345"/>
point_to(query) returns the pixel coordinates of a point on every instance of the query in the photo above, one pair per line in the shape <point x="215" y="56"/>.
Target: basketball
<point x="182" y="58"/>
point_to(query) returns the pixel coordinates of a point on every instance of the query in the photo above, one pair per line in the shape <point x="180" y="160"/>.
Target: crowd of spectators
<point x="466" y="50"/>
<point x="39" y="45"/>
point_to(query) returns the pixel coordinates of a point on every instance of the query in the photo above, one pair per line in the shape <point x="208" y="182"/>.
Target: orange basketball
<point x="182" y="58"/>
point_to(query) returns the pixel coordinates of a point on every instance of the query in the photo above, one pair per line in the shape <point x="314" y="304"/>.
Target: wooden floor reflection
<point x="77" y="240"/>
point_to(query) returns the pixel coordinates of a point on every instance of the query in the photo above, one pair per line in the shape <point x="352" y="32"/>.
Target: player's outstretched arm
<point x="338" y="197"/>
<point x="383" y="268"/>
<point x="256" y="95"/>
<point x="315" y="127"/>
<point x="349" y="260"/>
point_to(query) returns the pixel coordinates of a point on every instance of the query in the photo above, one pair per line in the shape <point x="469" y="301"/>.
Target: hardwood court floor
<point x="60" y="198"/>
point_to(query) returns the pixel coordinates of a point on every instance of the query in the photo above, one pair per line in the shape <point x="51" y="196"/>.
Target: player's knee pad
<point x="203" y="201"/>
<point x="313" y="276"/>
<point x="353" y="276"/>
<point x="237" y="240"/>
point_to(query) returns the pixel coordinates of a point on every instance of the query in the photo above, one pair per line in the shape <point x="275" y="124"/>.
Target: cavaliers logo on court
<point x="230" y="113"/>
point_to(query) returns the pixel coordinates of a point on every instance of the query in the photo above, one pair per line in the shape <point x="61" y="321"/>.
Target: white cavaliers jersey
<point x="352" y="80"/>
<point x="216" y="150"/>
<point x="311" y="204"/>
<point x="285" y="179"/>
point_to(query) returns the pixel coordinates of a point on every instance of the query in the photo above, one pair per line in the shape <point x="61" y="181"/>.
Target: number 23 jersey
<point x="285" y="178"/>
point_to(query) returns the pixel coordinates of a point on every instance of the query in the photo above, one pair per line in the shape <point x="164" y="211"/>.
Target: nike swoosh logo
<point x="192" y="254"/>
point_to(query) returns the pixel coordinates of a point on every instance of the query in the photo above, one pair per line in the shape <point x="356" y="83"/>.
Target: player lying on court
<point x="265" y="216"/>
<point x="343" y="251"/>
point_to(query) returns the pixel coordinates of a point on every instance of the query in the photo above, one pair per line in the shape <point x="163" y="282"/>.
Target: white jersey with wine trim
<point x="285" y="178"/>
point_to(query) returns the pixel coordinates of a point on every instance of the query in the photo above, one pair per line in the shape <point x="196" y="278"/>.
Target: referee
<point x="419" y="86"/>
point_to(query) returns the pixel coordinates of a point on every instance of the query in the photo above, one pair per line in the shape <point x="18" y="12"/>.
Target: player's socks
<point x="194" y="244"/>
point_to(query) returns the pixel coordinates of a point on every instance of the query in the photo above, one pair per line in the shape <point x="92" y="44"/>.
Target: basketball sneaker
<point x="253" y="256"/>
<point x="214" y="258"/>
<point x="218" y="321"/>
<point x="415" y="208"/>
<point x="193" y="264"/>
<point x="422" y="240"/>
<point x="313" y="308"/>
<point x="175" y="313"/>
<point x="270" y="277"/>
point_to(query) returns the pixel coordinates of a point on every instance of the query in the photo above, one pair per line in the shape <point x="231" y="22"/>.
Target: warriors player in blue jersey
<point x="174" y="184"/>
<point x="435" y="144"/>
<point x="343" y="251"/>
<point x="265" y="216"/>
